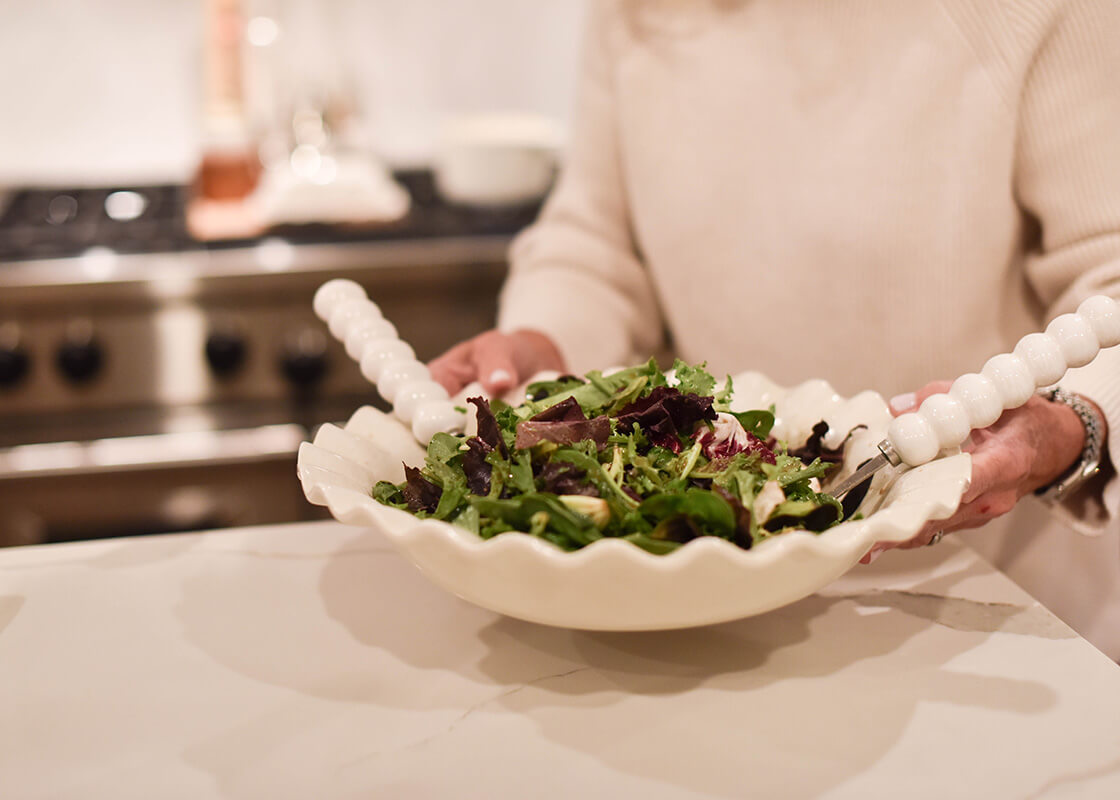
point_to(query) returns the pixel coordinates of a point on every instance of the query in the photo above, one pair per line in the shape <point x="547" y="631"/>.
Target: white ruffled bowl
<point x="612" y="584"/>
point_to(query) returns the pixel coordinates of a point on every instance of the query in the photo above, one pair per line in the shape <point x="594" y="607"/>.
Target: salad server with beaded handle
<point x="386" y="361"/>
<point x="1006" y="381"/>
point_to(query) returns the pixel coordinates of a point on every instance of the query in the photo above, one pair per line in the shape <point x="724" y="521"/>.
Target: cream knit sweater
<point x="875" y="193"/>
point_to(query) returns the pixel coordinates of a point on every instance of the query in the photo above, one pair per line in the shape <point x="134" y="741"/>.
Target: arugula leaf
<point x="443" y="447"/>
<point x="600" y="390"/>
<point x="818" y="469"/>
<point x="539" y="390"/>
<point x="558" y="518"/>
<point x="610" y="491"/>
<point x="388" y="493"/>
<point x="521" y="473"/>
<point x="449" y="501"/>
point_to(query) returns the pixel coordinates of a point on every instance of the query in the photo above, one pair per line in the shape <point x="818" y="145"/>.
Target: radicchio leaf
<point x="419" y="492"/>
<point x="665" y="413"/>
<point x="727" y="437"/>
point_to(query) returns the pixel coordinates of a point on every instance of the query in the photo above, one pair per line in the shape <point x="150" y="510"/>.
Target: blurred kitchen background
<point x="177" y="177"/>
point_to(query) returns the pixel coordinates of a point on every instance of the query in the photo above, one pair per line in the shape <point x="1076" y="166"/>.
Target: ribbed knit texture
<point x="879" y="194"/>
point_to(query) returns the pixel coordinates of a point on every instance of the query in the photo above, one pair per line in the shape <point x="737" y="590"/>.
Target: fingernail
<point x="902" y="403"/>
<point x="874" y="554"/>
<point x="500" y="377"/>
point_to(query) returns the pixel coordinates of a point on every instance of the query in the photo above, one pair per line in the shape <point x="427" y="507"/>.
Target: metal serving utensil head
<point x="851" y="491"/>
<point x="866" y="471"/>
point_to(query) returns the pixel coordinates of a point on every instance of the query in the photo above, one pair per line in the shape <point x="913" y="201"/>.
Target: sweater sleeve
<point x="574" y="274"/>
<point x="1068" y="179"/>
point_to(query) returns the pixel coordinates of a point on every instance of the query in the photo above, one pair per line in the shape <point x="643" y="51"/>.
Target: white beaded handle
<point x="385" y="360"/>
<point x="1006" y="381"/>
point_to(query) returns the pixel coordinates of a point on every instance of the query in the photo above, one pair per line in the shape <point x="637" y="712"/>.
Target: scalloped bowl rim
<point x="504" y="573"/>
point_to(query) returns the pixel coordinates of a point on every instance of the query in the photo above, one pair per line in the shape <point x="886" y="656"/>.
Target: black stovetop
<point x="56" y="222"/>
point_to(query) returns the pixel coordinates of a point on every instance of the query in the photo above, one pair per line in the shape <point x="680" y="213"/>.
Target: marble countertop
<point x="312" y="661"/>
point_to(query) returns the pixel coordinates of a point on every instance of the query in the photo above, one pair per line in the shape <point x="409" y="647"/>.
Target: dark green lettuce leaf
<point x="815" y="515"/>
<point x="543" y="510"/>
<point x="743" y="517"/>
<point x="389" y="494"/>
<point x="705" y="513"/>
<point x="758" y="422"/>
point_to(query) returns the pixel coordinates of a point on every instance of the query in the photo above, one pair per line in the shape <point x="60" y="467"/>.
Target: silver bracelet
<point x="1090" y="462"/>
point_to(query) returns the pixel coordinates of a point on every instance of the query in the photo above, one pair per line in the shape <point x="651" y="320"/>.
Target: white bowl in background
<point x="613" y="584"/>
<point x="496" y="160"/>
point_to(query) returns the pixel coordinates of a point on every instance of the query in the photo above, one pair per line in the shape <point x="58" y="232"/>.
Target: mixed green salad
<point x="635" y="455"/>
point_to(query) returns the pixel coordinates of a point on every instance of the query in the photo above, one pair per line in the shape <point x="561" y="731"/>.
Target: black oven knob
<point x="303" y="359"/>
<point x="80" y="360"/>
<point x="225" y="352"/>
<point x="14" y="365"/>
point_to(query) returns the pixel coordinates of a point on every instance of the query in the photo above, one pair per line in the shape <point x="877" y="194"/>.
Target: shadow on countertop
<point x="827" y="685"/>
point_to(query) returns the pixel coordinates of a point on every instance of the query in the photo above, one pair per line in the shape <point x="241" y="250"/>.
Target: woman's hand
<point x="1027" y="448"/>
<point x="499" y="361"/>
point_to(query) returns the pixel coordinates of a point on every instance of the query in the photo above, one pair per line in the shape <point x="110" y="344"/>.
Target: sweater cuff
<point x="1097" y="505"/>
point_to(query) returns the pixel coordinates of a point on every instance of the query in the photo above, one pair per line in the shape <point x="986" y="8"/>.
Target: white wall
<point x="104" y="91"/>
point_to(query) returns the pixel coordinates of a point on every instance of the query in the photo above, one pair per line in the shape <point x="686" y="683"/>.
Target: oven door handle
<point x="154" y="451"/>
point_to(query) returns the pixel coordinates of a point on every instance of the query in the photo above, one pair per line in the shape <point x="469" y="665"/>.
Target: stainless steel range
<point x="167" y="389"/>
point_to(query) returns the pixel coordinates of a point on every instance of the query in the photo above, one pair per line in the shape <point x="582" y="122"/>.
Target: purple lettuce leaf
<point x="488" y="430"/>
<point x="567" y="410"/>
<point x="560" y="477"/>
<point x="666" y="414"/>
<point x="476" y="467"/>
<point x="419" y="492"/>
<point x="531" y="432"/>
<point x="814" y="446"/>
